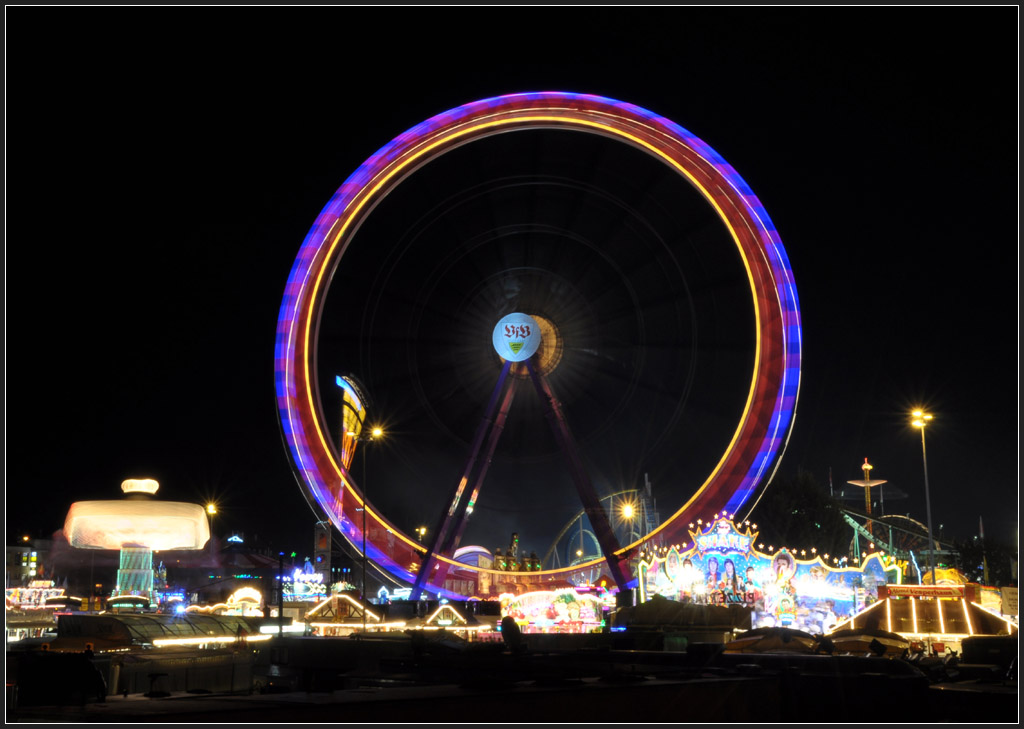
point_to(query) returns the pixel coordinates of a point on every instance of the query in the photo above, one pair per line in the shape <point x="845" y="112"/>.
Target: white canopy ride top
<point x="134" y="522"/>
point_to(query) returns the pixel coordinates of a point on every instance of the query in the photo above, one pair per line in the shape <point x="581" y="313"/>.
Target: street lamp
<point x="628" y="513"/>
<point x="211" y="510"/>
<point x="921" y="420"/>
<point x="375" y="434"/>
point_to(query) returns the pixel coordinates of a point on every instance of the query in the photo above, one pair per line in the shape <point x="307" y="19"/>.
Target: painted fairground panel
<point x="565" y="610"/>
<point x="783" y="588"/>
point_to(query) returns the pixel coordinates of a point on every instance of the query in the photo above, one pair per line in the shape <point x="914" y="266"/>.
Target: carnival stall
<point x="565" y="610"/>
<point x="725" y="565"/>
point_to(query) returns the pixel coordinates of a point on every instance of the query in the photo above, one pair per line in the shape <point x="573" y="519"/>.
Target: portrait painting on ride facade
<point x="782" y="587"/>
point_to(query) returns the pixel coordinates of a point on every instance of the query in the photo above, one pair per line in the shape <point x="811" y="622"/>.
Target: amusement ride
<point x="578" y="323"/>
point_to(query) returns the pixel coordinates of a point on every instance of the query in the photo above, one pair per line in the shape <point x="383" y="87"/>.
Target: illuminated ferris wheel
<point x="661" y="306"/>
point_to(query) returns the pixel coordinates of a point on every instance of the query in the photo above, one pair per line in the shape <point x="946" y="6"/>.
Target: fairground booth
<point x="726" y="566"/>
<point x="816" y="593"/>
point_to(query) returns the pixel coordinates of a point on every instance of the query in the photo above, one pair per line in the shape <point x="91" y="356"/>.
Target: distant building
<point x="471" y="582"/>
<point x="28" y="562"/>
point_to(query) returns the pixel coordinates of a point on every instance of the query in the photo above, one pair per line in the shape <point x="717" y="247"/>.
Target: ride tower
<point x="866" y="483"/>
<point x="137" y="526"/>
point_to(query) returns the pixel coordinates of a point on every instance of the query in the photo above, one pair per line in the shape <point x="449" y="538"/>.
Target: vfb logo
<point x="516" y="337"/>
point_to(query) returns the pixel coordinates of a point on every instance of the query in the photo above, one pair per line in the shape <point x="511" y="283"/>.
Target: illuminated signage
<point x="563" y="608"/>
<point x="724" y="539"/>
<point x="350" y="389"/>
<point x="516" y="337"/>
<point x="955" y="591"/>
<point x="300" y="576"/>
<point x="304" y="585"/>
<point x="401" y="593"/>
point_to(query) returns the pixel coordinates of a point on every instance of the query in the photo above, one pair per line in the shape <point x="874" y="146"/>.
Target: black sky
<point x="164" y="165"/>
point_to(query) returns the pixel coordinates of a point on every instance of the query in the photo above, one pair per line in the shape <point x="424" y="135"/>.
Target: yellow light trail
<point x="468" y="132"/>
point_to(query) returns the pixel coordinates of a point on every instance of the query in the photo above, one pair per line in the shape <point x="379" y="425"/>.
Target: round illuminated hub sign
<point x="516" y="337"/>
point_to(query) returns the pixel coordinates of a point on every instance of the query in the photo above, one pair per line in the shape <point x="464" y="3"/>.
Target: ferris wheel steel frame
<point x="767" y="417"/>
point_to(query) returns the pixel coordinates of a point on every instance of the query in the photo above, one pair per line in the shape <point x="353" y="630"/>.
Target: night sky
<point x="164" y="166"/>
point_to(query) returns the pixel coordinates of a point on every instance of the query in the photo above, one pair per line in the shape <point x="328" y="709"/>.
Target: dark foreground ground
<point x="700" y="685"/>
<point x="710" y="700"/>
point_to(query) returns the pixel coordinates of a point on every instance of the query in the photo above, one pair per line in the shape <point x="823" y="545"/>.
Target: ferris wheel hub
<point x="517" y="337"/>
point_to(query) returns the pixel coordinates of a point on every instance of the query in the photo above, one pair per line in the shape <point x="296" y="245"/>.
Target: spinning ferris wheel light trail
<point x="771" y="395"/>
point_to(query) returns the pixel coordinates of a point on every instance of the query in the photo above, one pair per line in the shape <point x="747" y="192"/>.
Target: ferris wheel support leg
<point x="457" y="510"/>
<point x="458" y="524"/>
<point x="591" y="503"/>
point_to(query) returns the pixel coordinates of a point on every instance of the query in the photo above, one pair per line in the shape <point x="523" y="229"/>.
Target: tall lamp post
<point x="921" y="420"/>
<point x="211" y="510"/>
<point x="629" y="514"/>
<point x="375" y="434"/>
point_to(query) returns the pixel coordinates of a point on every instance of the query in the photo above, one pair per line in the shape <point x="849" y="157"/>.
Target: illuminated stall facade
<point x="446" y="617"/>
<point x="35" y="595"/>
<point x="344" y="614"/>
<point x="722" y="566"/>
<point x="933" y="618"/>
<point x="565" y="610"/>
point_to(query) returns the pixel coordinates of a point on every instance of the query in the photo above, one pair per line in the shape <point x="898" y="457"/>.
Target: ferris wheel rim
<point x="764" y="428"/>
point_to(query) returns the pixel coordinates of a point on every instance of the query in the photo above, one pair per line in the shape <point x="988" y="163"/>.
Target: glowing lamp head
<point x="627" y="511"/>
<point x="377" y="432"/>
<point x="140" y="486"/>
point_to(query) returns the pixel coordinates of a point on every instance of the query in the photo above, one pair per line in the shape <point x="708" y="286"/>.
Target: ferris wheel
<point x="666" y="321"/>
